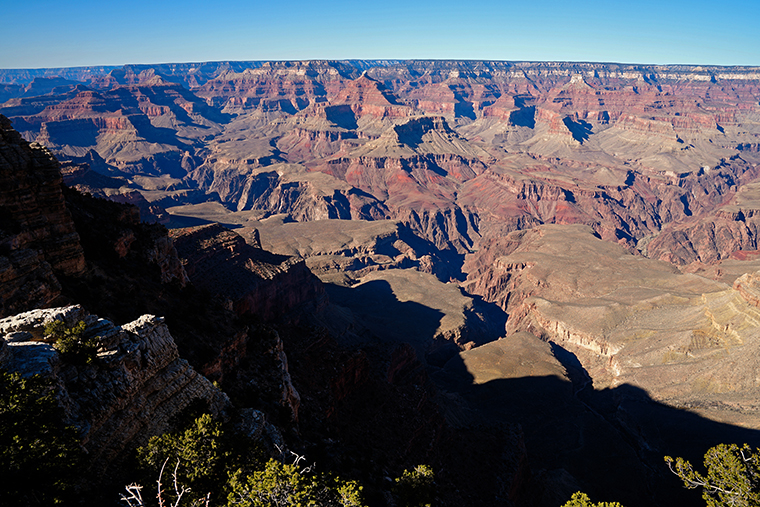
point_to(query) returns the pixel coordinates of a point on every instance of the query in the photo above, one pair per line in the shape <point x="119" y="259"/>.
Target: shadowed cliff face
<point x="256" y="282"/>
<point x="362" y="377"/>
<point x="38" y="236"/>
<point x="605" y="440"/>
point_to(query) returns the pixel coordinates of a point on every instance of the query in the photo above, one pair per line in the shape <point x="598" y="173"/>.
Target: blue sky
<point x="43" y="33"/>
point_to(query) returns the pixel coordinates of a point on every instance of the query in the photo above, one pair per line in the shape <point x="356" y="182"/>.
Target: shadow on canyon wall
<point x="376" y="307"/>
<point x="611" y="441"/>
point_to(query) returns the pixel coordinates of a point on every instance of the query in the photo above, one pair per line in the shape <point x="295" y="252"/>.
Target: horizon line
<point x="389" y="60"/>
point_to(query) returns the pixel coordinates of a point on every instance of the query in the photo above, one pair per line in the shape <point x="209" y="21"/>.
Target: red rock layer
<point x="367" y="96"/>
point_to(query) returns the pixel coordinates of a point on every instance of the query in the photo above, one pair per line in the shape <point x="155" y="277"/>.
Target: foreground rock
<point x="127" y="394"/>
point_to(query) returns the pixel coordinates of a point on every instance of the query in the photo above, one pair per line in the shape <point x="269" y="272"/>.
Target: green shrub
<point x="733" y="475"/>
<point x="209" y="460"/>
<point x="199" y="450"/>
<point x="281" y="485"/>
<point x="74" y="348"/>
<point x="416" y="488"/>
<point x="39" y="455"/>
<point x="580" y="499"/>
<point x="276" y="485"/>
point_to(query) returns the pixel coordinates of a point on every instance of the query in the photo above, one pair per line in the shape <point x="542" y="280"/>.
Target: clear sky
<point x="55" y="33"/>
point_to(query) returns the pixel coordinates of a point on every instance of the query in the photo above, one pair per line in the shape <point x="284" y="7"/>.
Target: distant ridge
<point x="211" y="69"/>
<point x="26" y="76"/>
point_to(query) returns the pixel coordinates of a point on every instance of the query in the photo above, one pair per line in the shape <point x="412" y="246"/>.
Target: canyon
<point x="551" y="265"/>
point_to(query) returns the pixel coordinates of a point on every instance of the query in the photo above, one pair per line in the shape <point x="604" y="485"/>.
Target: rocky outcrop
<point x="626" y="318"/>
<point x="635" y="335"/>
<point x="714" y="237"/>
<point x="41" y="236"/>
<point x="33" y="204"/>
<point x="127" y="394"/>
<point x="368" y="97"/>
<point x="254" y="281"/>
<point x="451" y="229"/>
<point x="275" y="86"/>
<point x="304" y="145"/>
<point x="748" y="285"/>
<point x="302" y="196"/>
<point x="341" y="250"/>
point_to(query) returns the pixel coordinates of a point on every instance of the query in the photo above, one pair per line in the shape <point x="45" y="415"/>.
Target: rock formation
<point x="630" y="320"/>
<point x="129" y="393"/>
<point x="38" y="235"/>
<point x="457" y="151"/>
<point x="341" y="250"/>
<point x="253" y="280"/>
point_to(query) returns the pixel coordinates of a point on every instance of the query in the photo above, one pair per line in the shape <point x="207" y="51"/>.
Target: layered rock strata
<point x="127" y="394"/>
<point x="631" y="320"/>
<point x="664" y="359"/>
<point x="38" y="235"/>
<point x="455" y="150"/>
<point x="341" y="251"/>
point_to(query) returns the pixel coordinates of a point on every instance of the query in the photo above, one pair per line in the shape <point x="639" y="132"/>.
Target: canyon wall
<point x="457" y="151"/>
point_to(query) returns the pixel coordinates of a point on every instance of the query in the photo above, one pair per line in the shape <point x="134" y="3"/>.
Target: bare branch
<point x="282" y="453"/>
<point x="134" y="496"/>
<point x="160" y="475"/>
<point x="298" y="458"/>
<point x="180" y="492"/>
